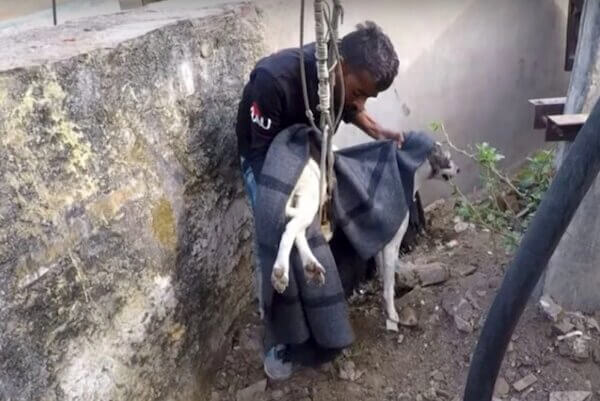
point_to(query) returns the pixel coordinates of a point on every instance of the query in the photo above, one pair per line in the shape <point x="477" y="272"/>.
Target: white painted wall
<point x="469" y="63"/>
<point x="16" y="15"/>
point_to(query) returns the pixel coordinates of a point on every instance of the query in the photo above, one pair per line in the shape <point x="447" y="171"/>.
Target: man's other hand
<point x="398" y="137"/>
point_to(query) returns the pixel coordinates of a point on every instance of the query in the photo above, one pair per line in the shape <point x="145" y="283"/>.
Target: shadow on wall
<point x="476" y="78"/>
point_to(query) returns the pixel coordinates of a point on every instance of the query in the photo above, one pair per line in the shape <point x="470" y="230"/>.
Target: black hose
<point x="569" y="186"/>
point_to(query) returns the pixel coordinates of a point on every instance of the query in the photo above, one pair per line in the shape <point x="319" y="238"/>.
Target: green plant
<point x="508" y="204"/>
<point x="534" y="179"/>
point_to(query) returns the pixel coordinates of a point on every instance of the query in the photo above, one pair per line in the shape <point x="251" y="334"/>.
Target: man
<point x="273" y="100"/>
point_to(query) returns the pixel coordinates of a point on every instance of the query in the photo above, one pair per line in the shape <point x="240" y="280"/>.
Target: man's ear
<point x="345" y="68"/>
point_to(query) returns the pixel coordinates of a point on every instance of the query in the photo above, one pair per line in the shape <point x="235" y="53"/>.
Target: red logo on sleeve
<point x="258" y="118"/>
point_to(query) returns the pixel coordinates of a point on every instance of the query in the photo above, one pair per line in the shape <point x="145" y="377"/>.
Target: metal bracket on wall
<point x="54" y="11"/>
<point x="573" y="20"/>
<point x="564" y="127"/>
<point x="545" y="107"/>
<point x="559" y="127"/>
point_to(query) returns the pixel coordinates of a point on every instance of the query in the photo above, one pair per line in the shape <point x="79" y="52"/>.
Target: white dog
<point x="303" y="206"/>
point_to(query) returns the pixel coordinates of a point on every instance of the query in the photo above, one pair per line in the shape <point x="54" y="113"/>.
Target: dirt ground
<point x="430" y="361"/>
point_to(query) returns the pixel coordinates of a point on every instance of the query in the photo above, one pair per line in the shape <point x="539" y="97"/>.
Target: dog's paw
<point x="390" y="325"/>
<point x="279" y="279"/>
<point x="314" y="273"/>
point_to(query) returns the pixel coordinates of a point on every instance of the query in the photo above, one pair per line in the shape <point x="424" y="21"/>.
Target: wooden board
<point x="544" y="107"/>
<point x="564" y="127"/>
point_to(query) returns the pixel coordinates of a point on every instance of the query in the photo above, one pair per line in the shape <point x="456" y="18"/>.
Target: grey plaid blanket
<point x="373" y="191"/>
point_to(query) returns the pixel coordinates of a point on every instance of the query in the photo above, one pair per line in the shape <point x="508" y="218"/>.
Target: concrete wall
<point x="469" y="63"/>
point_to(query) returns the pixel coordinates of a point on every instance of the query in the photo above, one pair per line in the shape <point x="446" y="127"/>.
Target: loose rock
<point x="460" y="309"/>
<point x="354" y="388"/>
<point x="501" y="388"/>
<point x="550" y="309"/>
<point x="461" y="226"/>
<point x="525" y="382"/>
<point x="374" y="381"/>
<point x="430" y="394"/>
<point x="463" y="316"/>
<point x="596" y="354"/>
<point x="579" y="320"/>
<point x="575" y="348"/>
<point x="408" y="317"/>
<point x="562" y="327"/>
<point x="434" y="205"/>
<point x="252" y="392"/>
<point x="433" y="273"/>
<point x="205" y="49"/>
<point x="424" y="275"/>
<point x="593" y="324"/>
<point x="452" y="244"/>
<point x="348" y="371"/>
<point x="570" y="396"/>
<point x="462" y="324"/>
<point x="466" y="270"/>
<point x="450" y="301"/>
<point x="581" y="349"/>
<point x="437" y="375"/>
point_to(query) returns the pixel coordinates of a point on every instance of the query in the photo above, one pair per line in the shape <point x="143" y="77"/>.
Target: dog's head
<point x="442" y="166"/>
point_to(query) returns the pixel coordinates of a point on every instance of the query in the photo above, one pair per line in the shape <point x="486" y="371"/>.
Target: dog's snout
<point x="457" y="170"/>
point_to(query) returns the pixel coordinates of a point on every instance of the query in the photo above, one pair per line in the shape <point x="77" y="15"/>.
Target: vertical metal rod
<point x="323" y="91"/>
<point x="54" y="11"/>
<point x="334" y="120"/>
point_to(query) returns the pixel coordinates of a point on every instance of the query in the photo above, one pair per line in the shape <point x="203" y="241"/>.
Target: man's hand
<point x="365" y="122"/>
<point x="398" y="137"/>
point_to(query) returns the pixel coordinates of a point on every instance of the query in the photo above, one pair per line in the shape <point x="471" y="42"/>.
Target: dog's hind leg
<point x="280" y="275"/>
<point x="313" y="270"/>
<point x="307" y="208"/>
<point x="302" y="207"/>
<point x="386" y="264"/>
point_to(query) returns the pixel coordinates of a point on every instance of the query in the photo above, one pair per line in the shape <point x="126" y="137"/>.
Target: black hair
<point x="370" y="49"/>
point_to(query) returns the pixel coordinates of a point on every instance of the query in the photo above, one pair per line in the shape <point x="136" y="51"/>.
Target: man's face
<point x="359" y="86"/>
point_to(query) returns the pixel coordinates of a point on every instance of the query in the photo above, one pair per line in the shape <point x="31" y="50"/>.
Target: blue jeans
<point x="249" y="181"/>
<point x="250" y="185"/>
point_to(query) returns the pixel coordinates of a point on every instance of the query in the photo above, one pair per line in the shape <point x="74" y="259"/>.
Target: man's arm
<point x="366" y="123"/>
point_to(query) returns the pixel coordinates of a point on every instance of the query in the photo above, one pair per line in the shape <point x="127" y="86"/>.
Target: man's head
<point x="369" y="64"/>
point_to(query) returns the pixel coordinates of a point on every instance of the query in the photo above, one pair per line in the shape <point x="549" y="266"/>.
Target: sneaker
<point x="276" y="365"/>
